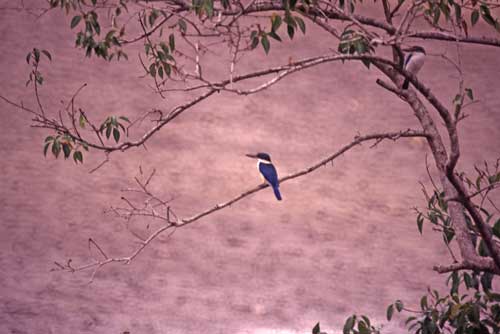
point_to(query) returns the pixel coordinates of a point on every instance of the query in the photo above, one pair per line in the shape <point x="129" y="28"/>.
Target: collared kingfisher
<point x="267" y="172"/>
<point x="414" y="62"/>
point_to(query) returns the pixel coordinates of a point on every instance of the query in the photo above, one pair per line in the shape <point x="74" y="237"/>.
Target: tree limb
<point x="186" y="221"/>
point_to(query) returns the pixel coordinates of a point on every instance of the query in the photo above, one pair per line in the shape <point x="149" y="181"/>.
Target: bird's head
<point x="261" y="156"/>
<point x="416" y="48"/>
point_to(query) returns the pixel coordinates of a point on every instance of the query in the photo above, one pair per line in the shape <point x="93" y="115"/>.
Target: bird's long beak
<point x="251" y="156"/>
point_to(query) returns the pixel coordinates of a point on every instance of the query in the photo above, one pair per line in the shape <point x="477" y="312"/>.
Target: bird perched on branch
<point x="414" y="62"/>
<point x="267" y="171"/>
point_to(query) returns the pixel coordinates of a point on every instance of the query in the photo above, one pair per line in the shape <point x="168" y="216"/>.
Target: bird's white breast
<point x="416" y="62"/>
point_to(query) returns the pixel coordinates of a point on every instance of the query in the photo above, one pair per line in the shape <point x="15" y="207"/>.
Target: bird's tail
<point x="277" y="193"/>
<point x="406" y="84"/>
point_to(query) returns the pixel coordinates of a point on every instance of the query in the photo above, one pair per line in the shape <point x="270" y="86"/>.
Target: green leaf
<point x="66" y="149"/>
<point x="255" y="42"/>
<point x="458" y="13"/>
<point x="38" y="78"/>
<point x="49" y="138"/>
<point x="265" y="43"/>
<point x="56" y="148"/>
<point x="116" y="134"/>
<point x="390" y="312"/>
<point x="363" y="328"/>
<point x="455" y="283"/>
<point x="47" y="54"/>
<point x="468" y="91"/>
<point x="423" y="303"/>
<point x="108" y="130"/>
<point x="125" y="119"/>
<point x="208" y="5"/>
<point x="290" y="30"/>
<point x="167" y="68"/>
<point x="301" y="24"/>
<point x="486" y="280"/>
<point x="81" y="120"/>
<point x="36" y="53"/>
<point x="366" y="62"/>
<point x="316" y="329"/>
<point x="164" y="47"/>
<point x="152" y="17"/>
<point x="437" y="15"/>
<point x="467" y="280"/>
<point x="420" y="222"/>
<point x="445" y="9"/>
<point x="45" y="148"/>
<point x="97" y="27"/>
<point x="162" y="56"/>
<point x="275" y="22"/>
<point x="496" y="229"/>
<point x="75" y="20"/>
<point x="275" y="36"/>
<point x="399" y="305"/>
<point x="349" y="324"/>
<point x="115" y="41"/>
<point x="448" y="235"/>
<point x="483" y="250"/>
<point x="474" y="16"/>
<point x="182" y="25"/>
<point x="486" y="15"/>
<point x="121" y="126"/>
<point x="171" y="42"/>
<point x="78" y="156"/>
<point x="152" y="70"/>
<point x="109" y="35"/>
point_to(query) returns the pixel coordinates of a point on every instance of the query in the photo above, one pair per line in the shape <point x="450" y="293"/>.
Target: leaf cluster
<point x="112" y="125"/>
<point x="66" y="145"/>
<point x="438" y="216"/>
<point x="34" y="57"/>
<point x="455" y="10"/>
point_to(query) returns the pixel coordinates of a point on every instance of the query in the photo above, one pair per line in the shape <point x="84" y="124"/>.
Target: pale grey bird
<point x="414" y="62"/>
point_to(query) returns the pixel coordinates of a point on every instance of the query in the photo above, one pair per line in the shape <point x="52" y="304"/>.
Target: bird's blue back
<point x="269" y="173"/>
<point x="408" y="59"/>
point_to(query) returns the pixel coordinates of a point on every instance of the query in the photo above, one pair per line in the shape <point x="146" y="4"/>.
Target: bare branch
<point x="97" y="265"/>
<point x="92" y="242"/>
<point x="483" y="266"/>
<point x="357" y="141"/>
<point x="441" y="36"/>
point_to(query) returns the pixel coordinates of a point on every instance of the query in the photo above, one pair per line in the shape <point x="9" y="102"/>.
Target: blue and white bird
<point x="414" y="62"/>
<point x="267" y="172"/>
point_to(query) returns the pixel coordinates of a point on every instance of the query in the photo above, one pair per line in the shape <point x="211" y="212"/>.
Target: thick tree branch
<point x="452" y="187"/>
<point x="478" y="265"/>
<point x="442" y="36"/>
<point x="483" y="227"/>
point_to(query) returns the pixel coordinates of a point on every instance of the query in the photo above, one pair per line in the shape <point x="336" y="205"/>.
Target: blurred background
<point x="344" y="239"/>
